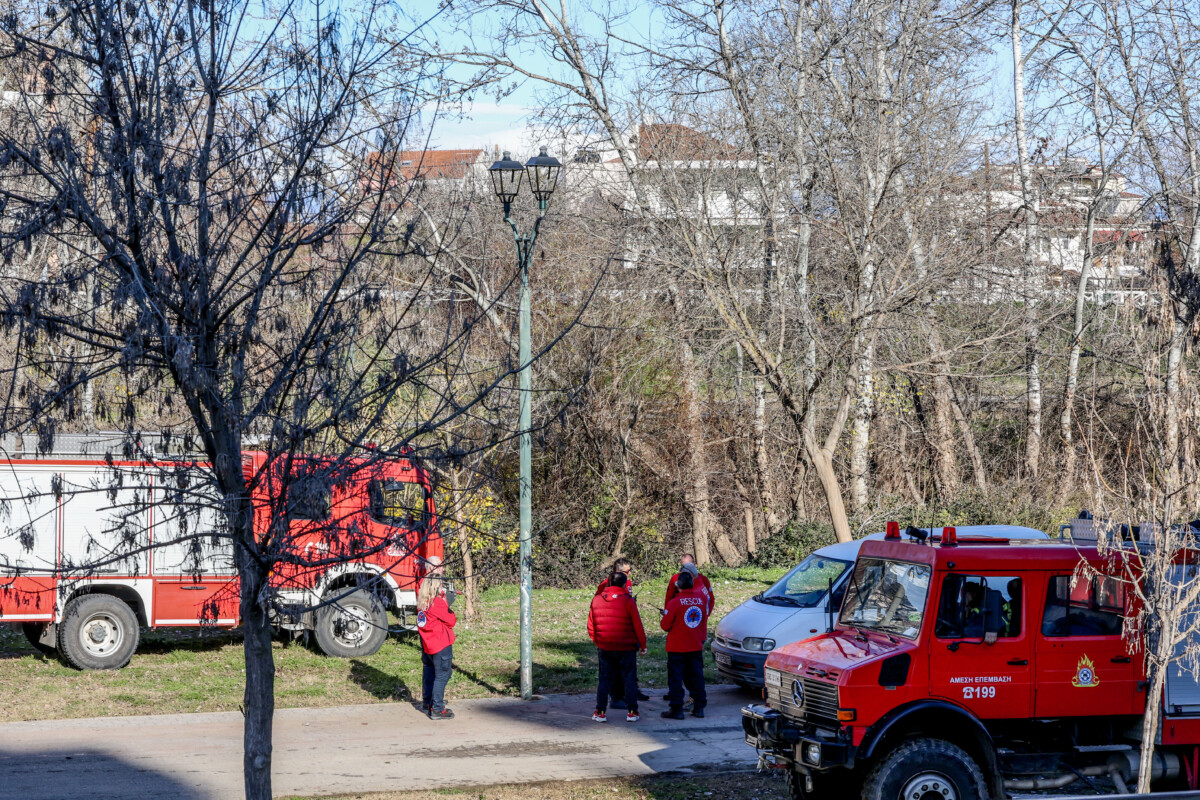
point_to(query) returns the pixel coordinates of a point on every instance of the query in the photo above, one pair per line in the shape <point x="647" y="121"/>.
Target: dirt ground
<point x="697" y="786"/>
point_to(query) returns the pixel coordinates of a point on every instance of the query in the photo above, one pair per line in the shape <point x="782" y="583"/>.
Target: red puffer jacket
<point x="686" y="622"/>
<point x="436" y="626"/>
<point x="614" y="622"/>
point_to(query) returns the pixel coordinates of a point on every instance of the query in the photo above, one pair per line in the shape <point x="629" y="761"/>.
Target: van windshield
<point x="887" y="596"/>
<point x="807" y="584"/>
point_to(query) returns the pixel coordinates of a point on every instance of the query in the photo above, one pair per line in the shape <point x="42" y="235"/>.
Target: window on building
<point x="967" y="600"/>
<point x="1092" y="607"/>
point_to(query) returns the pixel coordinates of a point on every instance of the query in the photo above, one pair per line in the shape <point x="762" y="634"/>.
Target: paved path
<point x="361" y="749"/>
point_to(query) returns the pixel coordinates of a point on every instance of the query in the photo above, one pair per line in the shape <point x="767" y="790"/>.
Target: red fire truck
<point x="93" y="548"/>
<point x="963" y="669"/>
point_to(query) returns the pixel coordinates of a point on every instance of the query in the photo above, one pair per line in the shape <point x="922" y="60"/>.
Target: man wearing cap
<point x="699" y="582"/>
<point x="685" y="619"/>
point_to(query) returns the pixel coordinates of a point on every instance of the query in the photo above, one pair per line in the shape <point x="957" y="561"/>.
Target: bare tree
<point x="224" y="183"/>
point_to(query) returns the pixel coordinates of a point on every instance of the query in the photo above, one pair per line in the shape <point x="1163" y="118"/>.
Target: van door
<point x="993" y="680"/>
<point x="1084" y="664"/>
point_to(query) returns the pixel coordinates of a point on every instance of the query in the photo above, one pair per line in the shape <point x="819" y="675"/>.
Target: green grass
<point x="188" y="670"/>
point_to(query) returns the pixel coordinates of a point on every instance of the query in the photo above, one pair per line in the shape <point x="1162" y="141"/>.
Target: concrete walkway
<point x="362" y="749"/>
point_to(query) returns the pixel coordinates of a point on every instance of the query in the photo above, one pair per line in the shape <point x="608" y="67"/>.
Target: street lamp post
<point x="506" y="175"/>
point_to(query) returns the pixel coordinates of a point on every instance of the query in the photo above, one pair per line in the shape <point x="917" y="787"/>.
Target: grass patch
<point x="191" y="670"/>
<point x="726" y="786"/>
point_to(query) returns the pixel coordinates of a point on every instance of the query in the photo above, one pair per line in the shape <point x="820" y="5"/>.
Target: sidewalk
<point x="362" y="749"/>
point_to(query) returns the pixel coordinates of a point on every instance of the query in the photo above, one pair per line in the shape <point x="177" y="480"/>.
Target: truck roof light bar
<point x="893" y="530"/>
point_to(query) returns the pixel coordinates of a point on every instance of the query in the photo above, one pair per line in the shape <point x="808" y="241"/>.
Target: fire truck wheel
<point x="926" y="769"/>
<point x="33" y="632"/>
<point x="98" y="631"/>
<point x="356" y="625"/>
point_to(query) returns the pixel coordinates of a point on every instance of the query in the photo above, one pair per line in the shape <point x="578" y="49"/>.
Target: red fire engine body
<point x="962" y="669"/>
<point x="86" y="557"/>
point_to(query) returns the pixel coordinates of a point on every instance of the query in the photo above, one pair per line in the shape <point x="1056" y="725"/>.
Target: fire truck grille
<point x="818" y="705"/>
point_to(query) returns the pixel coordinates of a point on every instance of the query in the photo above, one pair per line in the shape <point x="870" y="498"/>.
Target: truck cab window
<point x="309" y="498"/>
<point x="397" y="503"/>
<point x="1092" y="607"/>
<point x="967" y="601"/>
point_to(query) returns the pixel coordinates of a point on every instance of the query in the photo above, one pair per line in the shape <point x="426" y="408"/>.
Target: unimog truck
<point x="968" y="668"/>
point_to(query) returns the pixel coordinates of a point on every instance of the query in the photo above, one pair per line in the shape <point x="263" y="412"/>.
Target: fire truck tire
<point x="33" y="632"/>
<point x="354" y="626"/>
<point x="98" y="631"/>
<point x="926" y="769"/>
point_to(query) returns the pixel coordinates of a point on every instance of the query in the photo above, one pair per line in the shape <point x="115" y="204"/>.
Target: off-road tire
<point x="926" y="769"/>
<point x="351" y="627"/>
<point x="33" y="632"/>
<point x="110" y="628"/>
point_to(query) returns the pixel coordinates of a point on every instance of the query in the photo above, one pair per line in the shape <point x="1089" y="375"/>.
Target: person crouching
<point x="615" y="626"/>
<point x="685" y="619"/>
<point x="435" y="624"/>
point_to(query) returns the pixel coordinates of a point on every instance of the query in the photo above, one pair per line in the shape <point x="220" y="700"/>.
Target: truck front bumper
<point x="788" y="741"/>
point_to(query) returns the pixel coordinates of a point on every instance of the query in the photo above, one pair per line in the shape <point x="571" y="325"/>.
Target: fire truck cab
<point x="965" y="668"/>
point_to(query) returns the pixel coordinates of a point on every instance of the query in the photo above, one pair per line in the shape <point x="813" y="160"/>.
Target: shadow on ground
<point x="82" y="775"/>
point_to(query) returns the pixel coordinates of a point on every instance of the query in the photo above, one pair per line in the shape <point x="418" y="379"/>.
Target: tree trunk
<point x="1171" y="422"/>
<point x="761" y="463"/>
<point x="696" y="481"/>
<point x="1033" y="380"/>
<point x="860" y="435"/>
<point x="462" y="535"/>
<point x="823" y="464"/>
<point x="258" y="699"/>
<point x="747" y="513"/>
<point x="1065" y="423"/>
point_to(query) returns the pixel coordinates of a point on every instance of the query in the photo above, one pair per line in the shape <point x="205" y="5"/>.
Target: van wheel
<point x="98" y="631"/>
<point x="355" y="625"/>
<point x="33" y="632"/>
<point x="926" y="769"/>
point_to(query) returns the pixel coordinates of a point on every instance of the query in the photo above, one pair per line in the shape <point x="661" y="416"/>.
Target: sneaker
<point x="689" y="705"/>
<point x="669" y="714"/>
<point x="445" y="713"/>
<point x="599" y="716"/>
<point x="698" y="712"/>
<point x="621" y="704"/>
<point x="632" y="716"/>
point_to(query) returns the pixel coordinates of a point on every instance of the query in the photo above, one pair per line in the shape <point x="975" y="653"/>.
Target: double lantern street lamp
<point x="506" y="175"/>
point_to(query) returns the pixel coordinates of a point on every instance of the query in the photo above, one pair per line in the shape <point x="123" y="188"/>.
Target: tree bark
<point x="696" y="480"/>
<point x="258" y="699"/>
<point x="1029" y="199"/>
<point x="761" y="462"/>
<point x="1066" y="422"/>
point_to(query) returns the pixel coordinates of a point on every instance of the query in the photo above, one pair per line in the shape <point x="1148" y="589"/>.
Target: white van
<point x="804" y="602"/>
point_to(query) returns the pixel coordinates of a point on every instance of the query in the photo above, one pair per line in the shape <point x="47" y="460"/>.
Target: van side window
<point x="397" y="503"/>
<point x="1092" y="607"/>
<point x="962" y="608"/>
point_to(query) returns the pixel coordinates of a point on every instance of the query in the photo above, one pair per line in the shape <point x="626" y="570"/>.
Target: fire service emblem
<point x="1085" y="674"/>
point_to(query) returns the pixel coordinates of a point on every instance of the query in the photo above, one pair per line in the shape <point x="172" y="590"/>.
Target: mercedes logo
<point x="797" y="693"/>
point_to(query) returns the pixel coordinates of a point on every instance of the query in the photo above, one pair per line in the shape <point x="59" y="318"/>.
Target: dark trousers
<point x="435" y="674"/>
<point x="616" y="689"/>
<point x="617" y="668"/>
<point x="686" y="669"/>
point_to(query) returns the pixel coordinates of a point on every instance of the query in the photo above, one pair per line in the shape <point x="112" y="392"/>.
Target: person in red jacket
<point x="624" y="566"/>
<point x="685" y="619"/>
<point x="699" y="582"/>
<point x="615" y="626"/>
<point x="435" y="624"/>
